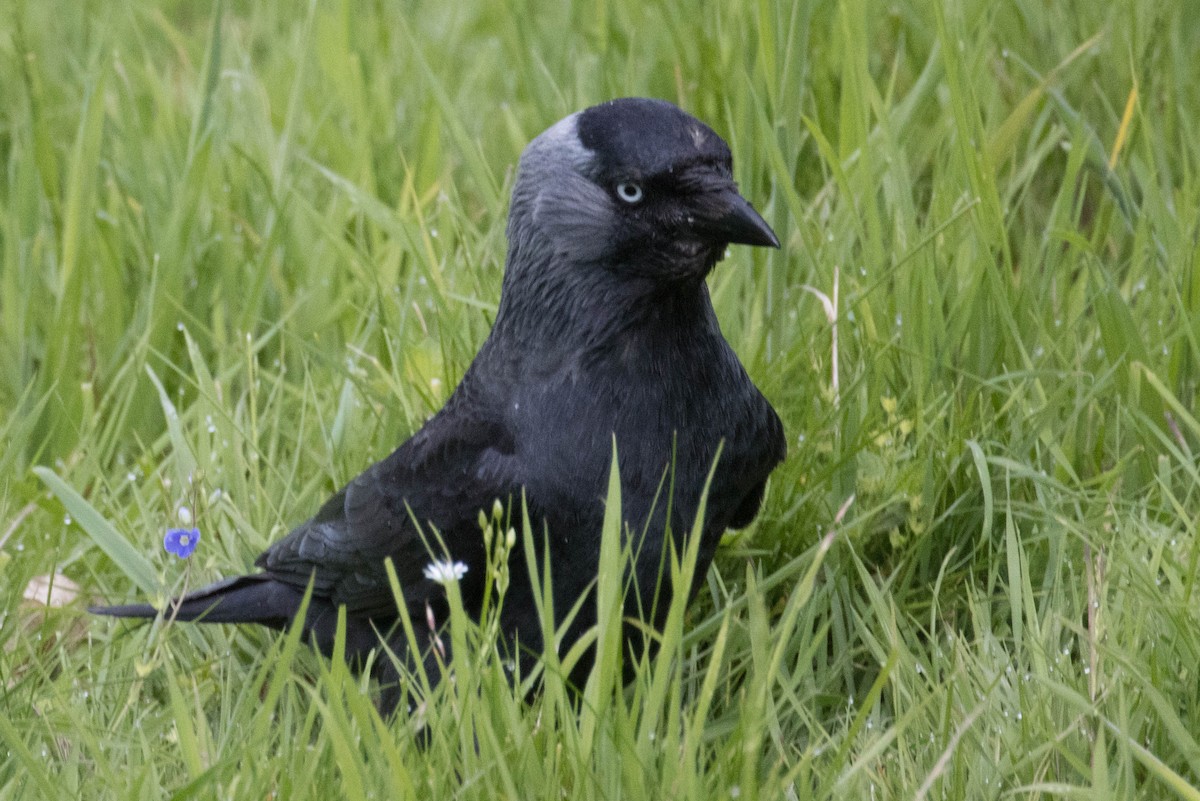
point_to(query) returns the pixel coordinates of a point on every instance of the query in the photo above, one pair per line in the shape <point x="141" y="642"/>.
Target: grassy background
<point x="246" y="249"/>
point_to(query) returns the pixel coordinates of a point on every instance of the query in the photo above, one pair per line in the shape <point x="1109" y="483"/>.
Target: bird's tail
<point x="241" y="599"/>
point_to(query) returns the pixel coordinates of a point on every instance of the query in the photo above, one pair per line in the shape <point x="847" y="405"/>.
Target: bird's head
<point x="633" y="186"/>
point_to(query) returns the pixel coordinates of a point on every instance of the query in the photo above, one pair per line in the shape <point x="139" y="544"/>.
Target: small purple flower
<point x="181" y="541"/>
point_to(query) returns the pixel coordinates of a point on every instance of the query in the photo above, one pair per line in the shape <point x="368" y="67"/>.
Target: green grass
<point x="245" y="249"/>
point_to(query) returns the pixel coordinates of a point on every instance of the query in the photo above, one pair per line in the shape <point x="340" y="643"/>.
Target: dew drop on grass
<point x="66" y="520"/>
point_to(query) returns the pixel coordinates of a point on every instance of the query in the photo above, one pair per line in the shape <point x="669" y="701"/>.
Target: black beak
<point x="732" y="219"/>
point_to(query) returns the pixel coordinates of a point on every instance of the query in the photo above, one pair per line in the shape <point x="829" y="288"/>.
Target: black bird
<point x="604" y="331"/>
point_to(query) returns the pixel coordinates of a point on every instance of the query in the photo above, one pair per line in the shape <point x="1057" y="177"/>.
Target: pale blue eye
<point x="629" y="192"/>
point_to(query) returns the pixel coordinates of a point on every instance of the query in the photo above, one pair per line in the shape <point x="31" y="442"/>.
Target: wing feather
<point x="423" y="498"/>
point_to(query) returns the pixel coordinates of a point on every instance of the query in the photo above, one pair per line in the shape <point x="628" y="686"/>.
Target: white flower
<point x="443" y="572"/>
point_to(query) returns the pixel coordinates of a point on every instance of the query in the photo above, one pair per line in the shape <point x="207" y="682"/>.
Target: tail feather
<point x="267" y="601"/>
<point x="126" y="610"/>
<point x="241" y="599"/>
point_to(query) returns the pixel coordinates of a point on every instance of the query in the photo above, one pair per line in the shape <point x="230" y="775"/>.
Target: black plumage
<point x="604" y="331"/>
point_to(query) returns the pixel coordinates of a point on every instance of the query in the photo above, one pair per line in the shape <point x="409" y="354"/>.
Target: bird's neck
<point x="595" y="308"/>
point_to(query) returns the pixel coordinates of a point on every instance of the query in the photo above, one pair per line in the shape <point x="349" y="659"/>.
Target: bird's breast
<point x="667" y="411"/>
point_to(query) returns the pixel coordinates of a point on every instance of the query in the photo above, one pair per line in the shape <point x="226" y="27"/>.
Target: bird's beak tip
<point x="749" y="228"/>
<point x="742" y="225"/>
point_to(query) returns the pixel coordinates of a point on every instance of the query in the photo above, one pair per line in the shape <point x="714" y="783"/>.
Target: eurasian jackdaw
<point x="605" y="332"/>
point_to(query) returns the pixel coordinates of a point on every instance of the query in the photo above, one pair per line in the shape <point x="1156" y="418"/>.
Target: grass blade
<point x="112" y="542"/>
